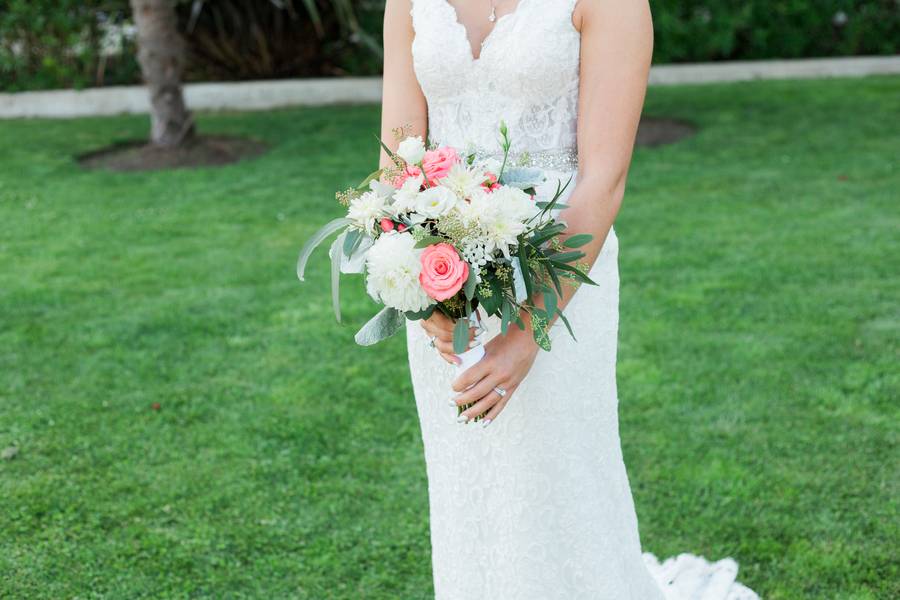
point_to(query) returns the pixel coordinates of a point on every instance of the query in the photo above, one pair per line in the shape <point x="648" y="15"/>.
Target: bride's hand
<point x="439" y="328"/>
<point x="507" y="360"/>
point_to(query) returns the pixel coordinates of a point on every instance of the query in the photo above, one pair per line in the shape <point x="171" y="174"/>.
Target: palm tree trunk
<point x="161" y="53"/>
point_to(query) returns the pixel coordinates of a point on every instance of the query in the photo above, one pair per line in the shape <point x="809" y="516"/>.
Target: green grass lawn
<point x="758" y="359"/>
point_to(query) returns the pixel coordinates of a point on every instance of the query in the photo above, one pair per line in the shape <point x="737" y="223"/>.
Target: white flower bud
<point x="412" y="150"/>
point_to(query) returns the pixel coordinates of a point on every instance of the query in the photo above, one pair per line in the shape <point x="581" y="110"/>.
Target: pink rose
<point x="387" y="225"/>
<point x="443" y="271"/>
<point x="437" y="163"/>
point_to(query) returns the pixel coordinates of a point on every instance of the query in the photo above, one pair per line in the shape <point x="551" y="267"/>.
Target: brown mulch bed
<point x="216" y="150"/>
<point x="203" y="151"/>
<point x="658" y="131"/>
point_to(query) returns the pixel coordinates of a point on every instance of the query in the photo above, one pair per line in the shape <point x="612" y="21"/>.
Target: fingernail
<point x="451" y="402"/>
<point x="486" y="423"/>
<point x="473" y="343"/>
<point x="462" y="419"/>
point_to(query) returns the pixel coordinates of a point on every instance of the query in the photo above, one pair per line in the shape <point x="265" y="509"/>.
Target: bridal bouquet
<point x="440" y="230"/>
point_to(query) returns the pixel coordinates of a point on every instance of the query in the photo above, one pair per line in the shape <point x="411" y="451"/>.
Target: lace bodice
<point x="526" y="75"/>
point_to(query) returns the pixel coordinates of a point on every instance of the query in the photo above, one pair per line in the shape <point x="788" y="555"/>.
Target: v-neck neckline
<point x="465" y="31"/>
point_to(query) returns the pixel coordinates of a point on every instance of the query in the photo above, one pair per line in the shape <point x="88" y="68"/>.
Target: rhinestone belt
<point x="551" y="160"/>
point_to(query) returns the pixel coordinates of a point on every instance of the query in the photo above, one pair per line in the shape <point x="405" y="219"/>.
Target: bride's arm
<point x="616" y="49"/>
<point x="402" y="103"/>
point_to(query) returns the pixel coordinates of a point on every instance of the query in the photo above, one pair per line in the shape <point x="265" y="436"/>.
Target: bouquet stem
<point x="471" y="356"/>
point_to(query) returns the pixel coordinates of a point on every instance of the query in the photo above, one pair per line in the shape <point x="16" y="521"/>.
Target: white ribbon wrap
<point x="472" y="355"/>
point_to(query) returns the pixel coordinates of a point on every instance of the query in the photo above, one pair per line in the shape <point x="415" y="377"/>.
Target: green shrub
<point x="59" y="43"/>
<point x="263" y="39"/>
<point x="704" y="30"/>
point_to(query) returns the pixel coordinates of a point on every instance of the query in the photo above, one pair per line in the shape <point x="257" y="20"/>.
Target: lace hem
<point x="690" y="577"/>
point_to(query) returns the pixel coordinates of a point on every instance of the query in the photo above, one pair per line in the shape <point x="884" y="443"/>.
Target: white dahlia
<point x="462" y="180"/>
<point x="393" y="267"/>
<point x="514" y="203"/>
<point x="405" y="197"/>
<point x="501" y="216"/>
<point x="366" y="210"/>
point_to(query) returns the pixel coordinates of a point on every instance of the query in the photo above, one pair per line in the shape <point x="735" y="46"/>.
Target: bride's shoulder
<point x="588" y="13"/>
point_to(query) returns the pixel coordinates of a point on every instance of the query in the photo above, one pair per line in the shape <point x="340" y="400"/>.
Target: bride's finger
<point x="437" y="332"/>
<point x="449" y="357"/>
<point x="487" y="402"/>
<point x="440" y="322"/>
<point x="472" y="375"/>
<point x="443" y="346"/>
<point x="498" y="407"/>
<point x="477" y="391"/>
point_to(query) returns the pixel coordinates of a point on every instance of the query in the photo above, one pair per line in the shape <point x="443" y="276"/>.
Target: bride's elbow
<point x="607" y="188"/>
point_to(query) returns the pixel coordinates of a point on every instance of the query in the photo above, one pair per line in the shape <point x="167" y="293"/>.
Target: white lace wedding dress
<point x="537" y="506"/>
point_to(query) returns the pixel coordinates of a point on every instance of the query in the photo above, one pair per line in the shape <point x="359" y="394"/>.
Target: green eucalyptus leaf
<point x="578" y="240"/>
<point x="351" y="241"/>
<point x="545" y="233"/>
<point x="566" y="323"/>
<point x="336" y="275"/>
<point x="386" y="323"/>
<point x="372" y="177"/>
<point x="550" y="302"/>
<point x="505" y="316"/>
<point x="541" y="338"/>
<point x="492" y="303"/>
<point x="461" y="336"/>
<point x="390" y="152"/>
<point x="317" y="238"/>
<point x="469" y="287"/>
<point x="429" y="240"/>
<point x="526" y="272"/>
<point x="421" y="314"/>
<point x="558" y="205"/>
<point x="554" y="276"/>
<point x="566" y="257"/>
<point x="573" y="272"/>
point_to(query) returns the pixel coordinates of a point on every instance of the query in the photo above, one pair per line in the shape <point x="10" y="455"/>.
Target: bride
<point x="532" y="501"/>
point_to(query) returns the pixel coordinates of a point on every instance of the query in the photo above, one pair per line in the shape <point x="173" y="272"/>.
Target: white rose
<point x="412" y="150"/>
<point x="393" y="267"/>
<point x="436" y="202"/>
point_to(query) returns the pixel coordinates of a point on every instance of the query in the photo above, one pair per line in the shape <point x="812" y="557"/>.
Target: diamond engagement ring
<point x="431" y="341"/>
<point x="500" y="391"/>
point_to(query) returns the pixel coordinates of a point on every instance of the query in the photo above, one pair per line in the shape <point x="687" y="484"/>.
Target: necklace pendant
<point x="493" y="16"/>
